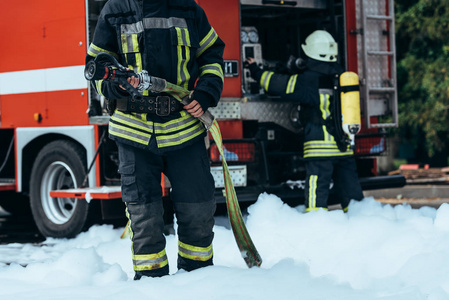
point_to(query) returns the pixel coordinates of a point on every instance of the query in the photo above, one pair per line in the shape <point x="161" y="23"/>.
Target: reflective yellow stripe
<point x="184" y="121"/>
<point x="312" y="190"/>
<point x="135" y="43"/>
<point x="130" y="43"/>
<point x="315" y="209"/>
<point x="291" y="84"/>
<point x="143" y="262"/>
<point x="324" y="153"/>
<point x="128" y="227"/>
<point x="184" y="68"/>
<point x="179" y="68"/>
<point x="324" y="149"/>
<point x="214" y="69"/>
<point x="324" y="105"/>
<point x="195" y="253"/>
<point x="207" y="41"/>
<point x="327" y="136"/>
<point x="265" y="79"/>
<point x="139" y="65"/>
<point x="183" y="75"/>
<point x="95" y="50"/>
<point x="180" y="137"/>
<point x="128" y="133"/>
<point x="319" y="143"/>
<point x="325" y="113"/>
<point x="98" y="85"/>
<point x="132" y="121"/>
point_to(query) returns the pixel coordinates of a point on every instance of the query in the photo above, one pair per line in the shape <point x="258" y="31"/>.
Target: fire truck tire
<point x="60" y="164"/>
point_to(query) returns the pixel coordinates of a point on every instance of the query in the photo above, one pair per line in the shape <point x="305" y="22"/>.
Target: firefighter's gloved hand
<point x="111" y="105"/>
<point x="251" y="64"/>
<point x="248" y="61"/>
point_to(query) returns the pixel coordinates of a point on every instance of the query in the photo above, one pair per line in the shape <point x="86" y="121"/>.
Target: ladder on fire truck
<point x="378" y="48"/>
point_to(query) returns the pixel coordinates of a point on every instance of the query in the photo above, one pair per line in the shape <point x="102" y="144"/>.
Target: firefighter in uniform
<point x="325" y="159"/>
<point x="170" y="39"/>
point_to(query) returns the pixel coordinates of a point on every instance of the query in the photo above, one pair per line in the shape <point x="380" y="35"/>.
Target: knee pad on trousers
<point x="147" y="226"/>
<point x="195" y="222"/>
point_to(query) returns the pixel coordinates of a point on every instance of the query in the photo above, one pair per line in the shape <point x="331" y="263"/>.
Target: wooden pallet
<point x="415" y="174"/>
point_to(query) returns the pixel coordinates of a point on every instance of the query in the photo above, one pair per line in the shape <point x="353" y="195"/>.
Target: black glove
<point x="253" y="69"/>
<point x="111" y="105"/>
<point x="203" y="98"/>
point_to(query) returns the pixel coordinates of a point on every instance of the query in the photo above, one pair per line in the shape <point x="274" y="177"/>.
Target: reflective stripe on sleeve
<point x="207" y="41"/>
<point x="265" y="79"/>
<point x="195" y="253"/>
<point x="214" y="69"/>
<point x="95" y="50"/>
<point x="291" y="84"/>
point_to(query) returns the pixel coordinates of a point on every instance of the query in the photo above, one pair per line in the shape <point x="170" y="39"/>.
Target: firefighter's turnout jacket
<point x="173" y="41"/>
<point x="313" y="89"/>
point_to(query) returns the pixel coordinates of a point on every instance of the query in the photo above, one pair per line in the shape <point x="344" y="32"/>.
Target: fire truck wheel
<point x="59" y="165"/>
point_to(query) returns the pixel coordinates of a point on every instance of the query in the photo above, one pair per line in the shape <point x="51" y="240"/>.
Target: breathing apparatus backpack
<point x="346" y="109"/>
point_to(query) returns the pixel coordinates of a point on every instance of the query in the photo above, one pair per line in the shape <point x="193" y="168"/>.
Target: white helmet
<point x="320" y="45"/>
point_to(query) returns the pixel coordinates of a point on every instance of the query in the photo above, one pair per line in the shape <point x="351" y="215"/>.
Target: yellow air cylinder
<point x="350" y="104"/>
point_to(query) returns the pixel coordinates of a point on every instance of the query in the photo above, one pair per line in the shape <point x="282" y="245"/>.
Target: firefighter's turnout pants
<point x="320" y="173"/>
<point x="192" y="194"/>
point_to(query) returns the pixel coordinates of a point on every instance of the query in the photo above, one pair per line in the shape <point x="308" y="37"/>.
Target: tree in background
<point x="422" y="39"/>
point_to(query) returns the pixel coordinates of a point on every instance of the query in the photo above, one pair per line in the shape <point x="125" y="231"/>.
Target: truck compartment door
<point x="377" y="62"/>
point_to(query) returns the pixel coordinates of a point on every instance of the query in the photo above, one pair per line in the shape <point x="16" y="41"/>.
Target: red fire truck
<point x="56" y="158"/>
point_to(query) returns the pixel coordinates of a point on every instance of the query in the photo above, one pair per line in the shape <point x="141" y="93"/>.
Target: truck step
<point x="101" y="192"/>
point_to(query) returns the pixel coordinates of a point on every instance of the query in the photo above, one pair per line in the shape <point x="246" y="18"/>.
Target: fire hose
<point x="106" y="67"/>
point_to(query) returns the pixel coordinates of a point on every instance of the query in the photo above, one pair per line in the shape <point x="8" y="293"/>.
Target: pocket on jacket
<point x="130" y="40"/>
<point x="184" y="37"/>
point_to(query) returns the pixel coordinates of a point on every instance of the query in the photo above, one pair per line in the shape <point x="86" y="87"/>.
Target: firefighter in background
<point x="312" y="87"/>
<point x="171" y="39"/>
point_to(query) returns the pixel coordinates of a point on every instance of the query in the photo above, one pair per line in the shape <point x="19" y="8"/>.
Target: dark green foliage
<point x="422" y="38"/>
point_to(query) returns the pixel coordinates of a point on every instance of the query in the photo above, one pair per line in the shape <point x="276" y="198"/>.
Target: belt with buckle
<point x="161" y="105"/>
